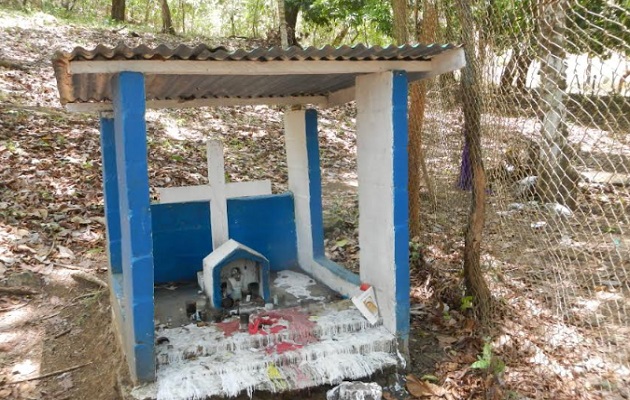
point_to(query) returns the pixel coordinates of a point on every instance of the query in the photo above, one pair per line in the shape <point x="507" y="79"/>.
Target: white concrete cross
<point x="217" y="192"/>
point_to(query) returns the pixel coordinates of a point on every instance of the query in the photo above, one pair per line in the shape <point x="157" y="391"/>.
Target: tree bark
<point x="282" y="19"/>
<point x="473" y="277"/>
<point x="622" y="81"/>
<point x="341" y="36"/>
<point x="147" y="10"/>
<point x="118" y="10"/>
<point x="447" y="80"/>
<point x="291" y="15"/>
<point x="182" y="8"/>
<point x="400" y="21"/>
<point x="416" y="18"/>
<point x="418" y="93"/>
<point x="557" y="182"/>
<point x="167" y="22"/>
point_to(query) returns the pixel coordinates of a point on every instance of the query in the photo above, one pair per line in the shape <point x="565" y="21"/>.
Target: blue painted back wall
<point x="182" y="238"/>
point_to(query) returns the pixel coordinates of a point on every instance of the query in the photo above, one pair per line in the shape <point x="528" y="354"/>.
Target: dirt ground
<point x="66" y="325"/>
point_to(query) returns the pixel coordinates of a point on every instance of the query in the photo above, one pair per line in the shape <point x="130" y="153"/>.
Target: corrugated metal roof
<point x="179" y="84"/>
<point x="205" y="53"/>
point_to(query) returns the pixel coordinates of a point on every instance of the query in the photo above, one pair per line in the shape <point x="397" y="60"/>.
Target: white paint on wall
<point x="329" y="278"/>
<point x="375" y="141"/>
<point x="185" y="194"/>
<point x="218" y="203"/>
<point x="296" y="284"/>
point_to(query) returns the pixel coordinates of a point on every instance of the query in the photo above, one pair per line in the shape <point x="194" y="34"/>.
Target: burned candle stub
<point x="162" y="340"/>
<point x="244" y="322"/>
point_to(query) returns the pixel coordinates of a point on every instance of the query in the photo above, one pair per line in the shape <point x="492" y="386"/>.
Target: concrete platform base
<point x="311" y="340"/>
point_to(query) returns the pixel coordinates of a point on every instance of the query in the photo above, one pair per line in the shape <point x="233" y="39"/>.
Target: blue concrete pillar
<point x="110" y="191"/>
<point x="383" y="214"/>
<point x="314" y="183"/>
<point x="135" y="223"/>
<point x="401" y="200"/>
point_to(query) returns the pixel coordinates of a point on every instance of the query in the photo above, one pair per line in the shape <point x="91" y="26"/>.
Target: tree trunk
<point x="485" y="36"/>
<point x="341" y="36"/>
<point x="167" y="22"/>
<point x="255" y="19"/>
<point x="622" y="81"/>
<point x="418" y="92"/>
<point x="557" y="182"/>
<point x="147" y="10"/>
<point x="447" y="81"/>
<point x="118" y="10"/>
<point x="291" y="14"/>
<point x="473" y="277"/>
<point x="588" y="73"/>
<point x="400" y="21"/>
<point x="416" y="18"/>
<point x="282" y="19"/>
<point x="182" y="8"/>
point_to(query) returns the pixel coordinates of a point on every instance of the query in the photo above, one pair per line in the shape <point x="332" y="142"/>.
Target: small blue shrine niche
<point x="150" y="244"/>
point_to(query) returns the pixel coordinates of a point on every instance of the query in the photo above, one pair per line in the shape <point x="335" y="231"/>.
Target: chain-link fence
<point x="554" y="87"/>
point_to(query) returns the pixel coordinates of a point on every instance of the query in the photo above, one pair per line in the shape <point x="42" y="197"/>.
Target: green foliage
<point x="346" y="21"/>
<point x="593" y="26"/>
<point x="322" y="22"/>
<point x="415" y="251"/>
<point x="511" y="22"/>
<point x="467" y="303"/>
<point x="599" y="26"/>
<point x="487" y="362"/>
<point x="353" y="13"/>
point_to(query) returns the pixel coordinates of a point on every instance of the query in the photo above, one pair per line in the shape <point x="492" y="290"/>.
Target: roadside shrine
<point x="238" y="246"/>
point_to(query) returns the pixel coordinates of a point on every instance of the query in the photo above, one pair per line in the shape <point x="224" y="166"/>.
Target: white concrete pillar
<point x="299" y="181"/>
<point x="305" y="184"/>
<point x="382" y="172"/>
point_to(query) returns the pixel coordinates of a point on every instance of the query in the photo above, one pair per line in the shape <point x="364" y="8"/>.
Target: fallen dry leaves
<point x="422" y="389"/>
